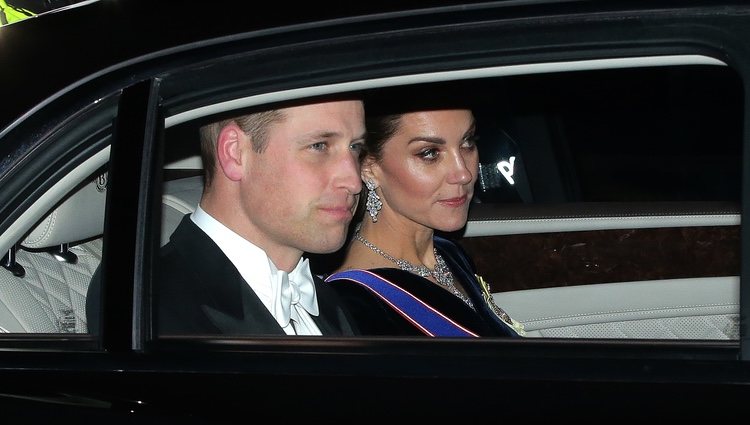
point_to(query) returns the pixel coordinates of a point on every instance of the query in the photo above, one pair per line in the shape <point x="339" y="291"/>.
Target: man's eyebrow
<point x="317" y="135"/>
<point x="331" y="134"/>
<point x="328" y="135"/>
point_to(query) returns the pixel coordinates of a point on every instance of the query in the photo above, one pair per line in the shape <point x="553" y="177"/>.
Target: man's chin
<point x="328" y="245"/>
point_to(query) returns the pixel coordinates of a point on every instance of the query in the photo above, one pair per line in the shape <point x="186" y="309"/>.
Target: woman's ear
<point x="229" y="151"/>
<point x="367" y="170"/>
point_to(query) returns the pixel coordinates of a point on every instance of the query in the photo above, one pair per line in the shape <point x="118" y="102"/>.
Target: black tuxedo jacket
<point x="199" y="291"/>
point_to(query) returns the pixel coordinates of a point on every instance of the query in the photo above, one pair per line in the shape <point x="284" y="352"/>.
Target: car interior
<point x="47" y="273"/>
<point x="521" y="208"/>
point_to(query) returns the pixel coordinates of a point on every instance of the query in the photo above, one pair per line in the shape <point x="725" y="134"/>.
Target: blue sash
<point x="426" y="318"/>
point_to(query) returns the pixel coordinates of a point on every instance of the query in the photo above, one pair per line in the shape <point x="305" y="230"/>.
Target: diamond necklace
<point x="441" y="273"/>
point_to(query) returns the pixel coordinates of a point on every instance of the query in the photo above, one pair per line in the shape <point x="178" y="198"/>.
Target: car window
<point x="598" y="182"/>
<point x="614" y="185"/>
<point x="549" y="168"/>
<point x="54" y="246"/>
<point x="592" y="179"/>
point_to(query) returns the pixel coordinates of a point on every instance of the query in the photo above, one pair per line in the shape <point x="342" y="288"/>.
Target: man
<point x="277" y="184"/>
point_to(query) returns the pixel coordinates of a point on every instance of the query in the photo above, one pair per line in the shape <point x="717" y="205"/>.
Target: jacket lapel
<point x="463" y="269"/>
<point x="225" y="298"/>
<point x="253" y="319"/>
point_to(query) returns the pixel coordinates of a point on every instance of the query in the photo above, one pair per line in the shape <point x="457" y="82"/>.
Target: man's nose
<point x="349" y="177"/>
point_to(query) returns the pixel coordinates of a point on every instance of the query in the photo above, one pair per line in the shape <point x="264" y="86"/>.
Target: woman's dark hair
<point x="384" y="109"/>
<point x="380" y="128"/>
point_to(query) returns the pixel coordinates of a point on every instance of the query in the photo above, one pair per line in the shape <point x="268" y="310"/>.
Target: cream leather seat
<point x="43" y="289"/>
<point x="180" y="197"/>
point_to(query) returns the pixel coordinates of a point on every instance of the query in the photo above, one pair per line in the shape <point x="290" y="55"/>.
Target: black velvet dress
<point x="374" y="316"/>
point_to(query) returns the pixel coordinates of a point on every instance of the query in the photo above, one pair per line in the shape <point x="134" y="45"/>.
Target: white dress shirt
<point x="290" y="297"/>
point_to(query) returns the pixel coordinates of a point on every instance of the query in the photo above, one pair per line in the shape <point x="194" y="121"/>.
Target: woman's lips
<point x="454" y="202"/>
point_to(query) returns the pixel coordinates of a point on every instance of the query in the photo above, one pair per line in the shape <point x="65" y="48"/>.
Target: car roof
<point x="65" y="47"/>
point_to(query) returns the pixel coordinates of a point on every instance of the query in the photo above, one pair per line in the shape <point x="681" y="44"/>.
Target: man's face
<point x="300" y="191"/>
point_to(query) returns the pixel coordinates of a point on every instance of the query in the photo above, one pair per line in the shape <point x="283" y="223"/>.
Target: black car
<point x="612" y="138"/>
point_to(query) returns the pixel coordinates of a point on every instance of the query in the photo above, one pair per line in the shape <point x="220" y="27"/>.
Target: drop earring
<point x="373" y="201"/>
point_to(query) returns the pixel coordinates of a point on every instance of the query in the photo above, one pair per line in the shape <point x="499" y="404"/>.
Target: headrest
<point x="77" y="218"/>
<point x="180" y="197"/>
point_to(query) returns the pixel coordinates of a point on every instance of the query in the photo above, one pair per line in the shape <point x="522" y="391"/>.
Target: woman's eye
<point x="470" y="142"/>
<point x="429" y="154"/>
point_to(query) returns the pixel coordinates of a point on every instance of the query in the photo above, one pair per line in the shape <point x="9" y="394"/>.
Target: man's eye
<point x="357" y="147"/>
<point x="319" y="146"/>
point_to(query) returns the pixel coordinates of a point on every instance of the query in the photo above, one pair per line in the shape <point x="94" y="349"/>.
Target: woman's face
<point x="428" y="168"/>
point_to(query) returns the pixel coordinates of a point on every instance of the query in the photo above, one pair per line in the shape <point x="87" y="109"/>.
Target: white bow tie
<point x="295" y="289"/>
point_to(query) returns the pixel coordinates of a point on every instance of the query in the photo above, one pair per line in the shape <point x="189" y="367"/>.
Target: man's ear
<point x="229" y="151"/>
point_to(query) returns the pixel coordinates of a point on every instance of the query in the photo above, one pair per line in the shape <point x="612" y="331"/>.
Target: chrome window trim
<point x="497" y="71"/>
<point x="576" y="224"/>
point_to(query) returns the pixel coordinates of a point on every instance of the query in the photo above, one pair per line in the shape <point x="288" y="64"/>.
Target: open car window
<point x="608" y="199"/>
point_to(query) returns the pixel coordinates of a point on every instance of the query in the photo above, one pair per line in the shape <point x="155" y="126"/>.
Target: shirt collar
<point x="261" y="274"/>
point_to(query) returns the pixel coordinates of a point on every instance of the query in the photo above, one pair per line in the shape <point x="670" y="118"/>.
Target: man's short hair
<point x="254" y="125"/>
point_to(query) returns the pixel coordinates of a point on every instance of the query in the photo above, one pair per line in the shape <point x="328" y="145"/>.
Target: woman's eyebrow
<point x="472" y="128"/>
<point x="436" y="140"/>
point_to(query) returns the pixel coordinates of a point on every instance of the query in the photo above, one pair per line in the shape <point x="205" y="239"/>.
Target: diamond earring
<point x="373" y="201"/>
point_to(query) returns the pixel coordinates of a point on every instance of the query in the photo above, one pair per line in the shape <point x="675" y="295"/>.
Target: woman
<point x="399" y="277"/>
